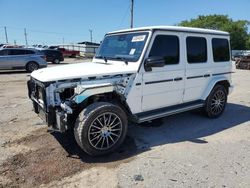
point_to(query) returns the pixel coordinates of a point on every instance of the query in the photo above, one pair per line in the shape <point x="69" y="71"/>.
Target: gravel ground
<point x="184" y="150"/>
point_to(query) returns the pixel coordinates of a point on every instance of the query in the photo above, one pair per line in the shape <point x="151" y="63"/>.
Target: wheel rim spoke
<point x="107" y="139"/>
<point x="111" y="138"/>
<point x="114" y="125"/>
<point x="95" y="138"/>
<point x="100" y="122"/>
<point x="98" y="141"/>
<point x="103" y="140"/>
<point x="96" y="127"/>
<point x="114" y="134"/>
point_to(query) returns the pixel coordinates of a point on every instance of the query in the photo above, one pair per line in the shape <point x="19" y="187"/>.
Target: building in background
<point x="88" y="49"/>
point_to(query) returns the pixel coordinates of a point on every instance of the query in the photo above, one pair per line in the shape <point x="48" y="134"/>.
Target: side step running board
<point x="159" y="113"/>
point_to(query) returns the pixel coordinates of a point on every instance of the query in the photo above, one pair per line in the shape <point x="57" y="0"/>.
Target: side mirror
<point x="153" y="62"/>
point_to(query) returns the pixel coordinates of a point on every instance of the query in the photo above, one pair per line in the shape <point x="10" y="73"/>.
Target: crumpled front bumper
<point x="55" y="118"/>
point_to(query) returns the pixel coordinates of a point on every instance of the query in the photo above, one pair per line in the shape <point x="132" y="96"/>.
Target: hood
<point x="83" y="70"/>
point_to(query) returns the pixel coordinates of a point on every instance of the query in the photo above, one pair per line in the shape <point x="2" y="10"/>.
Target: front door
<point x="164" y="86"/>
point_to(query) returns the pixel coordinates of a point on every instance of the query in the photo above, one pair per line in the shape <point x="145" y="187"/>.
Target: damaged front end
<point x="58" y="103"/>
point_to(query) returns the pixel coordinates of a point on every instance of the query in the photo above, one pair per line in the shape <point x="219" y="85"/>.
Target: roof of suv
<point x="174" y="28"/>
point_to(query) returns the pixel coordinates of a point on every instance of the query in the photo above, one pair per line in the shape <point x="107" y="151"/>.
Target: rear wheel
<point x="101" y="128"/>
<point x="216" y="101"/>
<point x="31" y="66"/>
<point x="56" y="61"/>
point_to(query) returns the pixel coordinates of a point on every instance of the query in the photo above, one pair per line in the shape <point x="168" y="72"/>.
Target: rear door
<point x="18" y="58"/>
<point x="198" y="66"/>
<point x="164" y="86"/>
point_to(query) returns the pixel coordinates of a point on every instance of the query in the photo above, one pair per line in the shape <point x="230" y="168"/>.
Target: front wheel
<point x="100" y="128"/>
<point x="216" y="102"/>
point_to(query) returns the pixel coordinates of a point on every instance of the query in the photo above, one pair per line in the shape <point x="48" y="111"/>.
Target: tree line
<point x="240" y="38"/>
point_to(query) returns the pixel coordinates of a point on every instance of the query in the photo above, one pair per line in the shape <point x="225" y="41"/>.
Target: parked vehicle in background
<point x="88" y="49"/>
<point x="10" y="46"/>
<point x="137" y="75"/>
<point x="66" y="52"/>
<point x="243" y="62"/>
<point x="53" y="56"/>
<point x="69" y="53"/>
<point x="21" y="58"/>
<point x="237" y="56"/>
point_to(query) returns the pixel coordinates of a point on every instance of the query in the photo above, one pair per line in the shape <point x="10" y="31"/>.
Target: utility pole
<point x="132" y="14"/>
<point x="15" y="42"/>
<point x="6" y="35"/>
<point x="91" y="36"/>
<point x="25" y="35"/>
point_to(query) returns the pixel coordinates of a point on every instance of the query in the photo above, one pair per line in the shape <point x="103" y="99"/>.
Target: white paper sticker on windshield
<point x="138" y="38"/>
<point x="132" y="51"/>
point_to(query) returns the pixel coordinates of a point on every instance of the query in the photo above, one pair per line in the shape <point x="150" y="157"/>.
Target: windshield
<point x="126" y="47"/>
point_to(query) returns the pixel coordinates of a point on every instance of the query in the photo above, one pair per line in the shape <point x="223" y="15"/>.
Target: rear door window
<point x="221" y="50"/>
<point x="196" y="49"/>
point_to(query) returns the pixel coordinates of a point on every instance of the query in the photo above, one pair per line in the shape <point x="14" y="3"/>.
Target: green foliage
<point x="248" y="43"/>
<point x="240" y="39"/>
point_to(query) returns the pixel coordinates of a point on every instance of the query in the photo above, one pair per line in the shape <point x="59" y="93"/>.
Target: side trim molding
<point x="217" y="74"/>
<point x="159" y="81"/>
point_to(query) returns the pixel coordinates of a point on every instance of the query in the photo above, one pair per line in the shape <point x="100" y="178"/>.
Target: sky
<point x="69" y="21"/>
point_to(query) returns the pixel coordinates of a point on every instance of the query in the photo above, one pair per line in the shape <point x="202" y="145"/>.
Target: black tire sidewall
<point x="87" y="117"/>
<point x="28" y="66"/>
<point x="209" y="101"/>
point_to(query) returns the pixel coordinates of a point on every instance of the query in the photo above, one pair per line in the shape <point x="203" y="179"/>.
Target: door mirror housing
<point x="154" y="62"/>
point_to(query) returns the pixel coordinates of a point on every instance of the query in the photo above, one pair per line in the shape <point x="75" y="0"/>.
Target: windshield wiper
<point x="102" y="57"/>
<point x="122" y="58"/>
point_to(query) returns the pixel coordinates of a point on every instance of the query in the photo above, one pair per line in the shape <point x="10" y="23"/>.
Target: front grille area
<point x="37" y="91"/>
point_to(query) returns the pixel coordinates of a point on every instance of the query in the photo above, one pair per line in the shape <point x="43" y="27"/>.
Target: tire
<point x="101" y="128"/>
<point x="31" y="66"/>
<point x="216" y="102"/>
<point x="56" y="61"/>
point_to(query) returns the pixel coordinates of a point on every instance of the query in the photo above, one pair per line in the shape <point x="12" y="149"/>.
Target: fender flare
<point x="211" y="85"/>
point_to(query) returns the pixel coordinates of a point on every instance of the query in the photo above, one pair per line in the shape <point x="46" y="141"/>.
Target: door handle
<point x="178" y="79"/>
<point x="207" y="75"/>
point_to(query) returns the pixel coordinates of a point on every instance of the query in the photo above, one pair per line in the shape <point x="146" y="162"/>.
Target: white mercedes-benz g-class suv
<point x="137" y="75"/>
